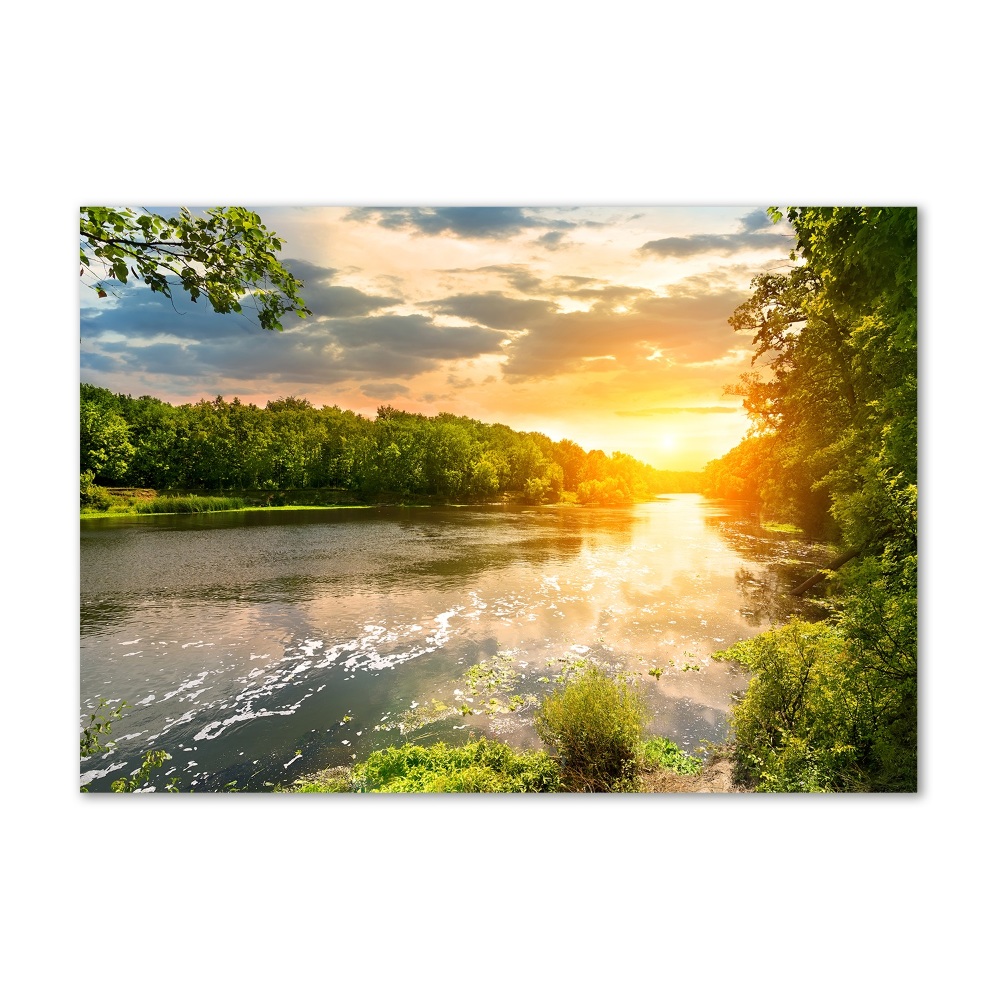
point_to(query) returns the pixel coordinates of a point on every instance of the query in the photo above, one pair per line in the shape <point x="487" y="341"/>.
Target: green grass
<point x="480" y="766"/>
<point x="188" y="505"/>
<point x="660" y="754"/>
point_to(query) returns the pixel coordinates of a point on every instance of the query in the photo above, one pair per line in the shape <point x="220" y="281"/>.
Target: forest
<point x="832" y="398"/>
<point x="291" y="445"/>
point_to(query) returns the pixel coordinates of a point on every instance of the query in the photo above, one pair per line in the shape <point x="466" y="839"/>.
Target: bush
<point x="659" y="753"/>
<point x="810" y="716"/>
<point x="482" y="766"/>
<point x="93" y="497"/>
<point x="594" y="725"/>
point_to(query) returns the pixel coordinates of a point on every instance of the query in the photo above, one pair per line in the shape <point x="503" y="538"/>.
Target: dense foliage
<point x="482" y="766"/>
<point x="290" y="444"/>
<point x="593" y="724"/>
<point x="834" y="449"/>
<point x="227" y="256"/>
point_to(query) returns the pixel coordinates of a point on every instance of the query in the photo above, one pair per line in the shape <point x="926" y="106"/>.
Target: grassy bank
<point x="100" y="501"/>
<point x="489" y="766"/>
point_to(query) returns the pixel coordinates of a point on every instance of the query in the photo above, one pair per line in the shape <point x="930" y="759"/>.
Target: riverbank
<point x="136" y="502"/>
<point x="715" y="777"/>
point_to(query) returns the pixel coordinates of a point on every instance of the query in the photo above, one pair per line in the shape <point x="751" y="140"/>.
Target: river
<point x="257" y="646"/>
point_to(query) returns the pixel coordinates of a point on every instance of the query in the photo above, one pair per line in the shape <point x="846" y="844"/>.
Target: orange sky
<point x="603" y="325"/>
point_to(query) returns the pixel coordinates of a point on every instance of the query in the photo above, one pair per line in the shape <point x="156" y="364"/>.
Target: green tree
<point x="227" y="255"/>
<point x="834" y="442"/>
<point x="839" y="336"/>
<point x="105" y="448"/>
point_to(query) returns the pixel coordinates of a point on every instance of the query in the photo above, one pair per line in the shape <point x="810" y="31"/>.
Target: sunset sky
<point x="603" y="325"/>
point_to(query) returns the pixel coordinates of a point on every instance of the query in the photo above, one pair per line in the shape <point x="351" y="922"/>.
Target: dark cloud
<point x="326" y="299"/>
<point x="724" y="243"/>
<point x="494" y="310"/>
<point x="342" y="301"/>
<point x="755" y="221"/>
<point x="494" y="223"/>
<point x="679" y="330"/>
<point x="415" y="336"/>
<point x="551" y="240"/>
<point x="309" y="273"/>
<point x="137" y="312"/>
<point x="384" y="390"/>
<point x="143" y="334"/>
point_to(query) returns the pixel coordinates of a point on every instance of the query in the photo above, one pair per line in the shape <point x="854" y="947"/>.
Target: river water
<point x="257" y="646"/>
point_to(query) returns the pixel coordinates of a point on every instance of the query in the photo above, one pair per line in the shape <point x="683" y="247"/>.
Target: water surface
<point x="255" y="646"/>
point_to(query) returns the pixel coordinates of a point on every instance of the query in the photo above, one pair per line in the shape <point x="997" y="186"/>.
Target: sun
<point x="668" y="442"/>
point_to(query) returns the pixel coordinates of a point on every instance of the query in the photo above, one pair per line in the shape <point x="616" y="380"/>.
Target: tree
<point x="839" y="336"/>
<point x="227" y="256"/>
<point x="835" y="438"/>
<point x="105" y="449"/>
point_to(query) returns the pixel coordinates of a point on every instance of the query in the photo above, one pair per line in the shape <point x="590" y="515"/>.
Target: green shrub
<point x="481" y="766"/>
<point x="594" y="724"/>
<point x="659" y="753"/>
<point x="806" y="722"/>
<point x="93" y="497"/>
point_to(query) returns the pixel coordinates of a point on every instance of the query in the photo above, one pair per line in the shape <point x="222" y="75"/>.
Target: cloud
<point x="756" y="232"/>
<point x="146" y="336"/>
<point x="138" y="312"/>
<point x="551" y="240"/>
<point x="415" y="336"/>
<point x="309" y="273"/>
<point x="493" y="309"/>
<point x="343" y="301"/>
<point x="496" y="223"/>
<point x="654" y="334"/>
<point x="609" y="296"/>
<point x="755" y="221"/>
<point x="383" y="390"/>
<point x="724" y="243"/>
<point x="519" y="277"/>
<point x="326" y="299"/>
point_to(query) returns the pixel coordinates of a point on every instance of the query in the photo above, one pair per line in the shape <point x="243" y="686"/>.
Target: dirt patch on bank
<point x="716" y="776"/>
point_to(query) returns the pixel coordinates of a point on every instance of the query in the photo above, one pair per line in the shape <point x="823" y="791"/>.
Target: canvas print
<point x="498" y="499"/>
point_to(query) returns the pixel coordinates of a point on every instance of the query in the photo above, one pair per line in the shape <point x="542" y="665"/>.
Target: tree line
<point x="291" y="444"/>
<point x="833" y="448"/>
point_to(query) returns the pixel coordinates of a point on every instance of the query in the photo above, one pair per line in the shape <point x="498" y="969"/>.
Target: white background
<point x="523" y="104"/>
